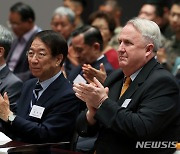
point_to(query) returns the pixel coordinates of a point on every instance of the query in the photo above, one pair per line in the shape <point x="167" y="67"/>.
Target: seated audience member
<point x="63" y="22"/>
<point x="138" y="104"/>
<point x="157" y="11"/>
<point x="8" y="81"/>
<point x="22" y="23"/>
<point x="78" y="7"/>
<point x="47" y="109"/>
<point x="87" y="43"/>
<point x="106" y="24"/>
<point x="172" y="48"/>
<point x="113" y="8"/>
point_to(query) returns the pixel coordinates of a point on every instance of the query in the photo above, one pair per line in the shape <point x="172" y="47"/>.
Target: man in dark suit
<point x="87" y="43"/>
<point x="8" y="81"/>
<point x="47" y="108"/>
<point x="22" y="23"/>
<point x="147" y="112"/>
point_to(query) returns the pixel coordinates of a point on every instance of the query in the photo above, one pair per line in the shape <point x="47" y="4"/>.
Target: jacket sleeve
<point x="57" y="123"/>
<point x="155" y="108"/>
<point x="83" y="128"/>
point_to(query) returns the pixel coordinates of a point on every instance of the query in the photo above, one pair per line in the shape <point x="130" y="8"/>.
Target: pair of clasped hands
<point x="93" y="93"/>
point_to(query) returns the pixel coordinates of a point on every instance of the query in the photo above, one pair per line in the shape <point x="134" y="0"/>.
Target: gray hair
<point x="6" y="39"/>
<point x="149" y="30"/>
<point x="64" y="11"/>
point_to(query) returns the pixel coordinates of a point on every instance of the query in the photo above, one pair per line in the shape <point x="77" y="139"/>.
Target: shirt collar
<point x="2" y="66"/>
<point x="47" y="82"/>
<point x="133" y="76"/>
<point x="28" y="35"/>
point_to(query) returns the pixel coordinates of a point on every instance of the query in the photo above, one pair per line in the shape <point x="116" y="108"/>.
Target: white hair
<point x="149" y="30"/>
<point x="64" y="11"/>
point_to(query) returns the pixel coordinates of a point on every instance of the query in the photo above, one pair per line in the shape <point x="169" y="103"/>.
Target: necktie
<point x="125" y="85"/>
<point x="36" y="90"/>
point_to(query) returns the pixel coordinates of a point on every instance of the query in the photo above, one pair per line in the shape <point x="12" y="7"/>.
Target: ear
<point x="149" y="49"/>
<point x="59" y="59"/>
<point x="96" y="46"/>
<point x="30" y="21"/>
<point x="2" y="52"/>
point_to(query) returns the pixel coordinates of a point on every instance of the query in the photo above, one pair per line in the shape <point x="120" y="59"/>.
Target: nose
<point x="33" y="59"/>
<point x="121" y="48"/>
<point x="59" y="28"/>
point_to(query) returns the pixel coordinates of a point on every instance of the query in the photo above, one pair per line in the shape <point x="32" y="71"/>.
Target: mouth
<point x="35" y="69"/>
<point x="122" y="58"/>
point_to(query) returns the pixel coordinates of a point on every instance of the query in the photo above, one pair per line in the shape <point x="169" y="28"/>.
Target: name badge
<point x="79" y="79"/>
<point x="126" y="103"/>
<point x="37" y="111"/>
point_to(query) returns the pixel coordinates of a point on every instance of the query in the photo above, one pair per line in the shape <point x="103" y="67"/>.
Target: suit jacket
<point x="11" y="84"/>
<point x="58" y="119"/>
<point x="153" y="114"/>
<point x="78" y="70"/>
<point x="22" y="67"/>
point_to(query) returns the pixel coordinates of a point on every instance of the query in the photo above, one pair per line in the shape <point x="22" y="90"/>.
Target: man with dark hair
<point x="22" y="22"/>
<point x="87" y="43"/>
<point x="8" y="81"/>
<point x="47" y="109"/>
<point x="157" y="11"/>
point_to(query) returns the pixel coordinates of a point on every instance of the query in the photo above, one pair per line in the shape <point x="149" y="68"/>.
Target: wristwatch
<point x="11" y="118"/>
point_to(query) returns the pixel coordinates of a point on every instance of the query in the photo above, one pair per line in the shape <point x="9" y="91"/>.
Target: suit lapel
<point x="114" y="82"/>
<point x="3" y="73"/>
<point x="50" y="91"/>
<point x="141" y="77"/>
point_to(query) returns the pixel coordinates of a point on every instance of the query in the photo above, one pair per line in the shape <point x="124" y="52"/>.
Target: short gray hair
<point x="64" y="11"/>
<point x="149" y="30"/>
<point x="6" y="39"/>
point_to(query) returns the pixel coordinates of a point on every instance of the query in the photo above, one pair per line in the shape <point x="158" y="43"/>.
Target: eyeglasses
<point x="38" y="55"/>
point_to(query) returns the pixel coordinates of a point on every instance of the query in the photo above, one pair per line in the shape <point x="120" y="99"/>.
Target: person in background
<point x="113" y="8"/>
<point x="47" y="108"/>
<point x="77" y="6"/>
<point x="170" y="56"/>
<point x="22" y="23"/>
<point x="8" y="81"/>
<point x="157" y="11"/>
<point x="87" y="42"/>
<point x="105" y="23"/>
<point x="137" y="104"/>
<point x="63" y="22"/>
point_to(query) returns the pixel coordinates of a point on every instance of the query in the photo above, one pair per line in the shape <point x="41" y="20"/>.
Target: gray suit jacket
<point x="11" y="84"/>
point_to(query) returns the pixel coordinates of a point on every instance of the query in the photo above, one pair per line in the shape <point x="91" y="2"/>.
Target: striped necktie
<point x="36" y="91"/>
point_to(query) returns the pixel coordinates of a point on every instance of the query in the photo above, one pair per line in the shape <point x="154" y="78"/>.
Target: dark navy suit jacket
<point x="58" y="120"/>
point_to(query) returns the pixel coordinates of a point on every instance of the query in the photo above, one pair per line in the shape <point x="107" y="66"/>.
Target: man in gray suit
<point x="8" y="81"/>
